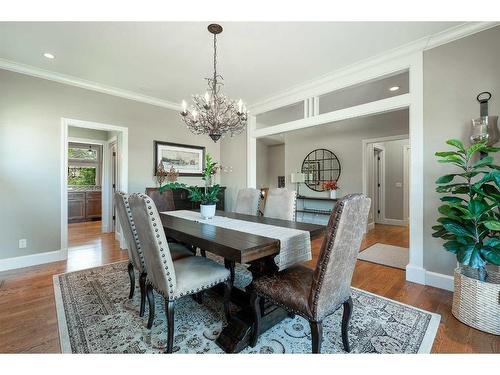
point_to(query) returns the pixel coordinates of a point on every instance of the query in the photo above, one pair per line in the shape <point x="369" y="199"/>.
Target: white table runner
<point x="295" y="244"/>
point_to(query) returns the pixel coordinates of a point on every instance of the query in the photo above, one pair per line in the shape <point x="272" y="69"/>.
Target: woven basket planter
<point x="477" y="303"/>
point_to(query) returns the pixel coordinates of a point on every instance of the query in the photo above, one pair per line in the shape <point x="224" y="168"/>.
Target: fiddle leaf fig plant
<point x="470" y="216"/>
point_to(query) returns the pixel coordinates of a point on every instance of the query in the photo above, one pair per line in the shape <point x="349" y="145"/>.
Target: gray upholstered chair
<point x="247" y="201"/>
<point x="172" y="279"/>
<point x="135" y="256"/>
<point x="280" y="204"/>
<point x="315" y="294"/>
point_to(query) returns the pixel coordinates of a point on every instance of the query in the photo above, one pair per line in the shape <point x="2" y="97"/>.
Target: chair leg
<point x="203" y="253"/>
<point x="151" y="303"/>
<point x="316" y="336"/>
<point x="198" y="297"/>
<point x="255" y="305"/>
<point x="169" y="311"/>
<point x="131" y="276"/>
<point x="346" y="317"/>
<point x="230" y="265"/>
<point x="142" y="284"/>
<point x="227" y="299"/>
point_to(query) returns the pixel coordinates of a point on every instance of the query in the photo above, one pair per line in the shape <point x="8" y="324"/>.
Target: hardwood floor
<point x="28" y="320"/>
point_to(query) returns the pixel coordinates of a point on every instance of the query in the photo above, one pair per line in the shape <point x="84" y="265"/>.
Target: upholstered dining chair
<point x="315" y="294"/>
<point x="136" y="258"/>
<point x="247" y="201"/>
<point x="280" y="204"/>
<point x="172" y="279"/>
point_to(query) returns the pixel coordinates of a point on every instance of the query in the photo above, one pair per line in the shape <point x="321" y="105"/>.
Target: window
<point x="84" y="164"/>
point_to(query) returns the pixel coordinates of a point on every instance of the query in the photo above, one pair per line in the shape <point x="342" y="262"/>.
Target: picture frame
<point x="188" y="160"/>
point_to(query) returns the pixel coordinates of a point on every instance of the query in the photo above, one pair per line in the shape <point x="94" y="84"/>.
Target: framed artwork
<point x="188" y="160"/>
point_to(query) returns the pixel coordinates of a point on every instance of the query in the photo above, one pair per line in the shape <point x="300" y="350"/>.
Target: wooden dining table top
<point x="234" y="245"/>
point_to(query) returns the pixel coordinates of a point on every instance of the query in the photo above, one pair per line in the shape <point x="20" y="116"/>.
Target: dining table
<point x="237" y="246"/>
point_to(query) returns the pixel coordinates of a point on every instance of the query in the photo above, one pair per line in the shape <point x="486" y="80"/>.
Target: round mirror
<point x="319" y="166"/>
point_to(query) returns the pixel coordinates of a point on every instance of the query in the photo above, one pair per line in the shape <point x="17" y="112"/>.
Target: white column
<point x="251" y="153"/>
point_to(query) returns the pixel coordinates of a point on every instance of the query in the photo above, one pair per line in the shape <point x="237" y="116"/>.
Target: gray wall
<point x="344" y="138"/>
<point x="270" y="164"/>
<point x="394" y="172"/>
<point x="98" y="135"/>
<point x="261" y="164"/>
<point x="234" y="154"/>
<point x="453" y="75"/>
<point x="30" y="136"/>
<point x="275" y="165"/>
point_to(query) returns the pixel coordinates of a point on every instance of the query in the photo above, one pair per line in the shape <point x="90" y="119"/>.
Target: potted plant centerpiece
<point x="332" y="187"/>
<point x="470" y="225"/>
<point x="208" y="195"/>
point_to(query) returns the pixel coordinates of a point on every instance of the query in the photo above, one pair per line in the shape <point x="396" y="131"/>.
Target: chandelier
<point x="214" y="113"/>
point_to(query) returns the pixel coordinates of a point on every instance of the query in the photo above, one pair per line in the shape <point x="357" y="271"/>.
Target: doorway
<point x="110" y="174"/>
<point x="378" y="187"/>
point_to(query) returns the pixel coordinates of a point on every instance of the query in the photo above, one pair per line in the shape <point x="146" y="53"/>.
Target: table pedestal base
<point x="236" y="335"/>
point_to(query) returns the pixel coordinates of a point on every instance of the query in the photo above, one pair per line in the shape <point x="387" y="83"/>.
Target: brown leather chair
<point x="163" y="201"/>
<point x="315" y="294"/>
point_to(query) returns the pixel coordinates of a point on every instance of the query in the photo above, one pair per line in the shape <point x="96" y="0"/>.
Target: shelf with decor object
<point x="315" y="210"/>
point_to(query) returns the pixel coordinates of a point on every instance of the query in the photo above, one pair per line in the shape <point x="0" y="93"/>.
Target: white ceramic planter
<point x="207" y="211"/>
<point x="333" y="194"/>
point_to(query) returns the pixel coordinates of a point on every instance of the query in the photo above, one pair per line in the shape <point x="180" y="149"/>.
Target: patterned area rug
<point x="96" y="316"/>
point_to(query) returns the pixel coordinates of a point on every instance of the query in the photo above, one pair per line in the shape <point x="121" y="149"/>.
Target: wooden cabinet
<point x="182" y="202"/>
<point x="84" y="206"/>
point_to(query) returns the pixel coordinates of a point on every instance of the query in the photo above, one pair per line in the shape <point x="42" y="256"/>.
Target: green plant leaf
<point x="452" y="199"/>
<point x="456" y="143"/>
<point x="474" y="148"/>
<point x="442" y="154"/>
<point x="493" y="242"/>
<point x="491" y="149"/>
<point x="452" y="159"/>
<point x="457" y="229"/>
<point x="491" y="254"/>
<point x="470" y="255"/>
<point x="445" y="179"/>
<point x="477" y="207"/>
<point x="482" y="162"/>
<point x="452" y="246"/>
<point x="492" y="225"/>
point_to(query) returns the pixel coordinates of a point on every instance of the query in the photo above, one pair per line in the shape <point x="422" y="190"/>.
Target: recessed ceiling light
<point x="394" y="88"/>
<point x="48" y="55"/>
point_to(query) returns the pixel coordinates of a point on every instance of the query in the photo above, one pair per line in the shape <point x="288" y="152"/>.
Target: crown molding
<point x="324" y="83"/>
<point x="85" y="84"/>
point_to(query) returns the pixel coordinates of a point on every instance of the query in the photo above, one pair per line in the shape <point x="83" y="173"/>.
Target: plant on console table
<point x="470" y="225"/>
<point x="332" y="187"/>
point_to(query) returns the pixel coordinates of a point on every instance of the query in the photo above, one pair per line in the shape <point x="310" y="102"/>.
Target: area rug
<point x="388" y="255"/>
<point x="95" y="316"/>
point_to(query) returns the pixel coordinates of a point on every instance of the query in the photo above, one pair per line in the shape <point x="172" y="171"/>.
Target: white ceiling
<point x="168" y="60"/>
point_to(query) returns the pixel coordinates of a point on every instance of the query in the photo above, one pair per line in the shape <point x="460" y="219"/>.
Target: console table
<point x="182" y="202"/>
<point x="315" y="210"/>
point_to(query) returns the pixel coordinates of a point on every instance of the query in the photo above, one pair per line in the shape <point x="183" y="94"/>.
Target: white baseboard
<point x="401" y="223"/>
<point x="415" y="274"/>
<point x="33" y="259"/>
<point x="439" y="280"/>
<point x="371" y="225"/>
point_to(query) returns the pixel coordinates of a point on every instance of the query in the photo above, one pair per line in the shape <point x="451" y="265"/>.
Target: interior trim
<point x="85" y="84"/>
